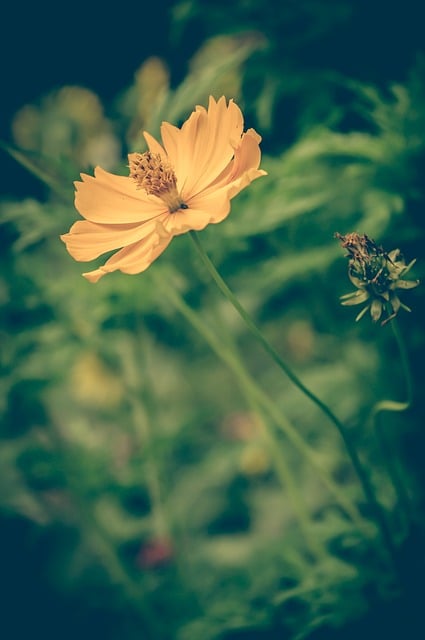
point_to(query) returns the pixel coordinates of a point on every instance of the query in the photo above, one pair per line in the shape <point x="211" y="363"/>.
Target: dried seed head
<point x="376" y="274"/>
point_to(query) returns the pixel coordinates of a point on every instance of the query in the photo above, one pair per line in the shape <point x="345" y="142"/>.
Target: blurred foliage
<point x="125" y="441"/>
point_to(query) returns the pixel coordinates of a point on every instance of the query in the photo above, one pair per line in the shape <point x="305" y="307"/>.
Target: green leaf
<point x="41" y="168"/>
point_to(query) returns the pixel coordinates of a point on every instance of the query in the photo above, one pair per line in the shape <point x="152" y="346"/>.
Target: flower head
<point x="184" y="184"/>
<point x="378" y="276"/>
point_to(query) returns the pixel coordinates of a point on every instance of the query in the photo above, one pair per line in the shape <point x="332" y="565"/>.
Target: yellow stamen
<point x="156" y="176"/>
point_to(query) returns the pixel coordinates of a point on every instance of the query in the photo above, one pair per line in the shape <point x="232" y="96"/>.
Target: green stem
<point x="389" y="454"/>
<point x="350" y="448"/>
<point x="251" y="387"/>
<point x="317" y="548"/>
<point x="404" y="362"/>
<point x="283" y="471"/>
<point x="256" y="331"/>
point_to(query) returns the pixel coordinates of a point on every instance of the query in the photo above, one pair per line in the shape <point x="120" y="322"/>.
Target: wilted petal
<point x="406" y="284"/>
<point x="395" y="303"/>
<point x="376" y="309"/>
<point x="361" y="314"/>
<point x="408" y="267"/>
<point x="357" y="297"/>
<point x="394" y="255"/>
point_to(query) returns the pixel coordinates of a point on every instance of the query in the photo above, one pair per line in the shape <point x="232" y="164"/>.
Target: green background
<point x="137" y="497"/>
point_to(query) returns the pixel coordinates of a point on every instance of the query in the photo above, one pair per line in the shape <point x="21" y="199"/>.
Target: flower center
<point x="156" y="176"/>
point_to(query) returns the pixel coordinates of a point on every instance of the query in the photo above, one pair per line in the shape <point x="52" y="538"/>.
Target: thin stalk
<point x="365" y="483"/>
<point x="317" y="548"/>
<point x="226" y="291"/>
<point x="283" y="471"/>
<point x="389" y="454"/>
<point x="258" y="396"/>
<point x="404" y="363"/>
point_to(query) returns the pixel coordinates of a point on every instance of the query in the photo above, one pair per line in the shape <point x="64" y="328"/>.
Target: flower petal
<point x="362" y="313"/>
<point x="376" y="309"/>
<point x="204" y="145"/>
<point x="247" y="160"/>
<point x="153" y="146"/>
<point x="177" y="152"/>
<point x="203" y="210"/>
<point x="406" y="284"/>
<point x="211" y="141"/>
<point x="357" y="297"/>
<point x="213" y="204"/>
<point x="133" y="259"/>
<point x="213" y="161"/>
<point x="395" y="303"/>
<point x="111" y="199"/>
<point x="224" y="193"/>
<point x="88" y="240"/>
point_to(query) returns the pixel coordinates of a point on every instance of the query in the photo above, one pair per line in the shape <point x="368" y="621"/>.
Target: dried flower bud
<point x="377" y="275"/>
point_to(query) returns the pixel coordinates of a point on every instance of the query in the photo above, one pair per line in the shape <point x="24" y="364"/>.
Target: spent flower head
<point x="377" y="276"/>
<point x="184" y="184"/>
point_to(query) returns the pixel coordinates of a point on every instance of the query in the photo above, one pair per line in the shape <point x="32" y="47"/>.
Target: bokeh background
<point x="138" y="496"/>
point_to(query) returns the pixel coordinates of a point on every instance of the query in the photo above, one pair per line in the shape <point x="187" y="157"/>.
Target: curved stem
<point x="389" y="455"/>
<point x="393" y="405"/>
<point x="288" y="482"/>
<point x="404" y="362"/>
<point x="350" y="448"/>
<point x="267" y="405"/>
<point x="283" y="471"/>
<point x="257" y="333"/>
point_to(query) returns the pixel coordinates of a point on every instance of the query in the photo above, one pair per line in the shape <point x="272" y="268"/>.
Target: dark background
<point x="47" y="45"/>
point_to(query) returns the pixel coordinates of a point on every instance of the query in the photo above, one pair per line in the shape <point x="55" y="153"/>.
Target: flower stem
<point x="365" y="483"/>
<point x="389" y="454"/>
<point x="283" y="470"/>
<point x="262" y="400"/>
<point x="404" y="363"/>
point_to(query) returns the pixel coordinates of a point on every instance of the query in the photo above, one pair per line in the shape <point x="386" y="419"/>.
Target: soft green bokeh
<point x="126" y="435"/>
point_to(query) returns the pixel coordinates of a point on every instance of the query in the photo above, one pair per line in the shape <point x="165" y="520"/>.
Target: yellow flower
<point x="185" y="184"/>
